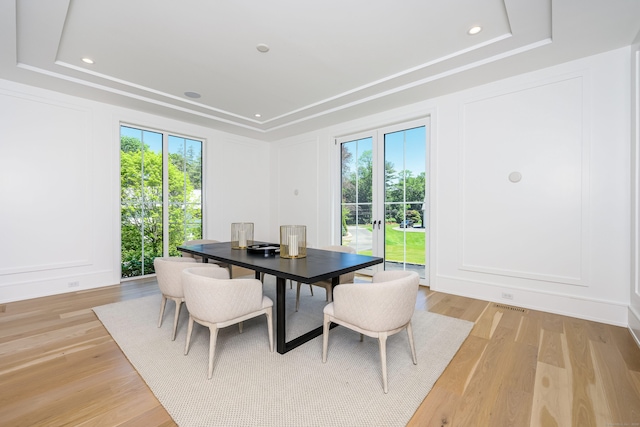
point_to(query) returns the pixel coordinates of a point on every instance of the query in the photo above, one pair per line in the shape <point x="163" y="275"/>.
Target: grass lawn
<point x="394" y="243"/>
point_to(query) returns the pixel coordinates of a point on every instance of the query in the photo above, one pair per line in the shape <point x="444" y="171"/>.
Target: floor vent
<point x="508" y="307"/>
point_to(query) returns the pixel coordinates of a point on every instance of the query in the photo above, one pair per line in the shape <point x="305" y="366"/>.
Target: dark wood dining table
<point x="316" y="266"/>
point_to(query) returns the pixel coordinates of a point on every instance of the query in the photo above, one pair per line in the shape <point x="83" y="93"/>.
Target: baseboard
<point x="634" y="324"/>
<point x="609" y="312"/>
<point x="20" y="291"/>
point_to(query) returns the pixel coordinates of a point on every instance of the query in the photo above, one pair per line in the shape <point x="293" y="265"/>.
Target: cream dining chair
<point x="377" y="309"/>
<point x="215" y="301"/>
<point x="169" y="276"/>
<point x="326" y="284"/>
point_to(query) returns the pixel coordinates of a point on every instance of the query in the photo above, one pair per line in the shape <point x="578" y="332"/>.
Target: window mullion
<point x="165" y="194"/>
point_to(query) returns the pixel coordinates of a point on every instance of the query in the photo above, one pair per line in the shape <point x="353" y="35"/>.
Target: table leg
<point x="281" y="339"/>
<point x="335" y="281"/>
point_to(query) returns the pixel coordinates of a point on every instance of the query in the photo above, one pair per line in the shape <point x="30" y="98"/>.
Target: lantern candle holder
<point x="241" y="235"/>
<point x="293" y="241"/>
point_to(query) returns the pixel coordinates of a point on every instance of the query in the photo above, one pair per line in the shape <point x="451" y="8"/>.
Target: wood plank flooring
<point x="60" y="367"/>
<point x="528" y="368"/>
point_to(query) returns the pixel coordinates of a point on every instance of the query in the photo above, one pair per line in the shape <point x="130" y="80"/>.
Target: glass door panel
<point x="404" y="200"/>
<point x="357" y="194"/>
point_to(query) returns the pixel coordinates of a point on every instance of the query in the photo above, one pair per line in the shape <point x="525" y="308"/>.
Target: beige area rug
<point x="253" y="387"/>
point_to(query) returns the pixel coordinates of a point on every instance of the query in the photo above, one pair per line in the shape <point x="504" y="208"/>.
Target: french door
<point x="384" y="203"/>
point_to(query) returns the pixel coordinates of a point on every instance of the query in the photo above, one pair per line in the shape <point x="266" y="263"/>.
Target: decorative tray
<point x="265" y="249"/>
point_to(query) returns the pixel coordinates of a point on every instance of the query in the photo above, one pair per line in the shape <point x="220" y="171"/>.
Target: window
<point x="160" y="196"/>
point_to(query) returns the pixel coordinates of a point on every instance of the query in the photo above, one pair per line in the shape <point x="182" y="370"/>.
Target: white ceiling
<point x="329" y="61"/>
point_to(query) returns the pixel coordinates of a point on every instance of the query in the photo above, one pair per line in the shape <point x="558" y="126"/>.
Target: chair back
<point x="349" y="277"/>
<point x="168" y="273"/>
<point x="387" y="303"/>
<point x="213" y="297"/>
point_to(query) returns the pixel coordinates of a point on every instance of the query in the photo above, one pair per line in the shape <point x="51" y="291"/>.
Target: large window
<point x="160" y="196"/>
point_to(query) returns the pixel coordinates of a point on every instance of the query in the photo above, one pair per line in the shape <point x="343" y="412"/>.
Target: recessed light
<point x="262" y="48"/>
<point x="474" y="30"/>
<point x="87" y="60"/>
<point x="193" y="95"/>
<point x="257" y="115"/>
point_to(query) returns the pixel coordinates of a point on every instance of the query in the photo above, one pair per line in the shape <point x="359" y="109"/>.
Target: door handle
<point x="374" y="225"/>
<point x="379" y="222"/>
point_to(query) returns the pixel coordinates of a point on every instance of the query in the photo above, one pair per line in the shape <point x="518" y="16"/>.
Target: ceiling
<point x="328" y="62"/>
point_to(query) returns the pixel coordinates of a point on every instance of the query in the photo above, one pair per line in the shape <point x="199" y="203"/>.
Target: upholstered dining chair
<point x="199" y="259"/>
<point x="326" y="284"/>
<point x="215" y="301"/>
<point x="378" y="309"/>
<point x="168" y="274"/>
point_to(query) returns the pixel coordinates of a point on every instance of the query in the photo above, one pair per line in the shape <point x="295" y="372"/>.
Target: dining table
<point x="316" y="266"/>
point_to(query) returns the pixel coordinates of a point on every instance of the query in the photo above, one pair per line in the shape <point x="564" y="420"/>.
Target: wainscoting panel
<point x="45" y="220"/>
<point x="524" y="183"/>
<point x="297" y="186"/>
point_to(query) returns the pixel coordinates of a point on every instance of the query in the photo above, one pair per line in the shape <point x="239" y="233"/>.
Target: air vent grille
<point x="508" y="307"/>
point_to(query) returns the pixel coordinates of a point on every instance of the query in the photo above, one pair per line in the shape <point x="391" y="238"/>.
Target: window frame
<point x="166" y="134"/>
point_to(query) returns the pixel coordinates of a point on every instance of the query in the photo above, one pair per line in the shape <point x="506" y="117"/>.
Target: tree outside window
<point x="141" y="194"/>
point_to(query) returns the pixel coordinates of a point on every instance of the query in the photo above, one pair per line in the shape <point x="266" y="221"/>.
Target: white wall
<point x="59" y="189"/>
<point x="298" y="173"/>
<point x="634" y="291"/>
<point x="556" y="241"/>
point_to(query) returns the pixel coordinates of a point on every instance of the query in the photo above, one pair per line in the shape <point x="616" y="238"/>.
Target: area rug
<point x="254" y="387"/>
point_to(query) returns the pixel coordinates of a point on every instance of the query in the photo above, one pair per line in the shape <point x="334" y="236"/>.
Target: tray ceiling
<point x="327" y="62"/>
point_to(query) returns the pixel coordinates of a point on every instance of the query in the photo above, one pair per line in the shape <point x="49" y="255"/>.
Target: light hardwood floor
<point x="60" y="367"/>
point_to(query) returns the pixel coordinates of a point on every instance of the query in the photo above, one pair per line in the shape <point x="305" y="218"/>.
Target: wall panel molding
<point x="524" y="182"/>
<point x="49" y="168"/>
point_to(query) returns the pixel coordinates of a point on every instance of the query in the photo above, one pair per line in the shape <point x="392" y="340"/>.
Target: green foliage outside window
<point x="401" y="187"/>
<point x="141" y="204"/>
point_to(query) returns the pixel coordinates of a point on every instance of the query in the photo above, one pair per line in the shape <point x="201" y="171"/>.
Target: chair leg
<point x="240" y="325"/>
<point x="325" y="337"/>
<point x="412" y="344"/>
<point x="163" y="303"/>
<point x="269" y="313"/>
<point x="329" y="293"/>
<point x="298" y="297"/>
<point x="382" y="338"/>
<point x="189" y="331"/>
<point x="213" y="333"/>
<point x="262" y="278"/>
<point x="175" y="319"/>
<point x="310" y="288"/>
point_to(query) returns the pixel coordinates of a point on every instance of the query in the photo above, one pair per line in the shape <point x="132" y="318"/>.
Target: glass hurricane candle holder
<point x="241" y="235"/>
<point x="293" y="241"/>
